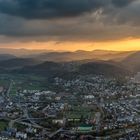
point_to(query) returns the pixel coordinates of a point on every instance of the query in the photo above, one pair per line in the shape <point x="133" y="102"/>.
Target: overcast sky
<point x="55" y="23"/>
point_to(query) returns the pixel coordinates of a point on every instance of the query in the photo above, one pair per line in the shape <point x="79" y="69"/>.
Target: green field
<point x="28" y="82"/>
<point x="4" y="82"/>
<point x="77" y="112"/>
<point x="3" y="125"/>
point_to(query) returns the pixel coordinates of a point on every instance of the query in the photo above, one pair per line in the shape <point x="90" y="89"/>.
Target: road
<point x="9" y="89"/>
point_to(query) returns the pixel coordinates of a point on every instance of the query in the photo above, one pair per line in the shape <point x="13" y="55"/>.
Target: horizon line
<point x="54" y="50"/>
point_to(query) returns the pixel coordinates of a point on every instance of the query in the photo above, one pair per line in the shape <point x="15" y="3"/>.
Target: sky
<point x="70" y="24"/>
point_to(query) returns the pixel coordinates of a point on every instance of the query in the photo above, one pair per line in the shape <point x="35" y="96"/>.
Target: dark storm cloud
<point x="45" y="9"/>
<point x="45" y="20"/>
<point x="121" y="3"/>
<point x="40" y="9"/>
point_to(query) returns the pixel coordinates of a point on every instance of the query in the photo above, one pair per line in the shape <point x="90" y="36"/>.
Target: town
<point x="86" y="107"/>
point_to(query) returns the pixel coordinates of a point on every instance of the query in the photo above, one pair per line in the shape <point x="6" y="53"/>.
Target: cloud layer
<point x="45" y="9"/>
<point x="62" y="20"/>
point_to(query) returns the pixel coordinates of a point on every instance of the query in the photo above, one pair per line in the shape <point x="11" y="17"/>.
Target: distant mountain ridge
<point x="61" y="56"/>
<point x="82" y="55"/>
<point x="21" y="52"/>
<point x="100" y="62"/>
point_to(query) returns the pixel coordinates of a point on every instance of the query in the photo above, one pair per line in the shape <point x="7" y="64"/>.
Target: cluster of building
<point x="85" y="107"/>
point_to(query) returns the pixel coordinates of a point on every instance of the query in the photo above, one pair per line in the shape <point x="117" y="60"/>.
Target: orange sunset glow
<point x="117" y="45"/>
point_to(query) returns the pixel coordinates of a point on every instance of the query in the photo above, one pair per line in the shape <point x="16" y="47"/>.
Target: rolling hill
<point x="106" y="68"/>
<point x="47" y="69"/>
<point x="53" y="69"/>
<point x="132" y="62"/>
<point x="6" y="57"/>
<point x="99" y="62"/>
<point x="17" y="63"/>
